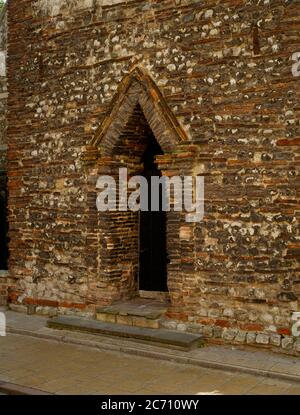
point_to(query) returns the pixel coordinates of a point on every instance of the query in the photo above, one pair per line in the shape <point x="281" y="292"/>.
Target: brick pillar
<point x="3" y="288"/>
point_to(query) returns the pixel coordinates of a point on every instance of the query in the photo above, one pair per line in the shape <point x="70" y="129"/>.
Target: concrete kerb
<point x="13" y="389"/>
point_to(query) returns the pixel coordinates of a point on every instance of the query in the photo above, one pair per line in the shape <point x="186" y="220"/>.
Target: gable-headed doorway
<point x="137" y="250"/>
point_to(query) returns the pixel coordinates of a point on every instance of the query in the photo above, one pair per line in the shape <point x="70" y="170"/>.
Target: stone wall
<point x="223" y="69"/>
<point x="3" y="146"/>
<point x="3" y="87"/>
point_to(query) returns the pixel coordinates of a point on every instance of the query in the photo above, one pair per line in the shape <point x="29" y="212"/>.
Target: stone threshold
<point x="137" y="312"/>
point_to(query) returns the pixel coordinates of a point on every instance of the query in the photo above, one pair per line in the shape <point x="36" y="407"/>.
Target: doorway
<point x="118" y="259"/>
<point x="153" y="257"/>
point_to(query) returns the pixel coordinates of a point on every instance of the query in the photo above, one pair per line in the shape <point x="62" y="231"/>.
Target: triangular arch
<point x="138" y="88"/>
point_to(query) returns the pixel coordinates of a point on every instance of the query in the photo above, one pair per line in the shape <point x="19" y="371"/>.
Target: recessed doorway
<point x="153" y="257"/>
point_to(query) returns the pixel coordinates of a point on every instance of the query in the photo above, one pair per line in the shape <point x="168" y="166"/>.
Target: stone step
<point x="138" y="312"/>
<point x="159" y="337"/>
<point x="128" y="320"/>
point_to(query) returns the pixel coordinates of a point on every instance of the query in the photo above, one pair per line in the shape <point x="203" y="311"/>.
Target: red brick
<point x="291" y="142"/>
<point x="222" y="323"/>
<point x="285" y="331"/>
<point x="252" y="327"/>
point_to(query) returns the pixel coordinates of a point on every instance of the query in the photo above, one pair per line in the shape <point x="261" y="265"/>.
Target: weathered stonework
<point x="220" y="73"/>
<point x="3" y="88"/>
<point x="3" y="145"/>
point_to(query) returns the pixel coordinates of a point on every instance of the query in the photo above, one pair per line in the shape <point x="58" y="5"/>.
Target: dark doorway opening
<point x="3" y="222"/>
<point x="153" y="257"/>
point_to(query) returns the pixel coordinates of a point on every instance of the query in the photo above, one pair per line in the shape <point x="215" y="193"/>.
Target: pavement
<point x="61" y="362"/>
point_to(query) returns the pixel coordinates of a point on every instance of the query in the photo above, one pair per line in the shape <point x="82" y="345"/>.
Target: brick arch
<point x="138" y="88"/>
<point x="112" y="261"/>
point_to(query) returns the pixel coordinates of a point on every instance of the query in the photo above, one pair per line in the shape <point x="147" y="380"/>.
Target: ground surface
<point x="70" y="369"/>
